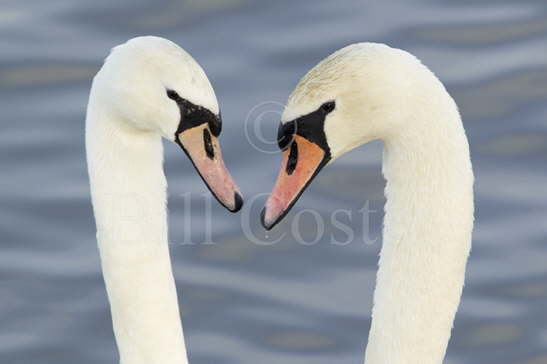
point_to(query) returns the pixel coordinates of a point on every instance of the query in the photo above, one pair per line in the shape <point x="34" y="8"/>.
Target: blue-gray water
<point x="251" y="302"/>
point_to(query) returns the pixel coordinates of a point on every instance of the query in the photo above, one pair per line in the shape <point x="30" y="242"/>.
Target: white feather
<point x="127" y="113"/>
<point x="385" y="93"/>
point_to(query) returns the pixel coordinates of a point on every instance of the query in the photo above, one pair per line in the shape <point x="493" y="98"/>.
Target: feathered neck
<point x="427" y="239"/>
<point x="128" y="192"/>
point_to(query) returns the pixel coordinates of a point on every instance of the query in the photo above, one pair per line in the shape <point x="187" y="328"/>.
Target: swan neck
<point x="128" y="191"/>
<point x="427" y="238"/>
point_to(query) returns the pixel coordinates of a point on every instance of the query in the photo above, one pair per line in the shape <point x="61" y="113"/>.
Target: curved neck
<point x="128" y="191"/>
<point x="427" y="239"/>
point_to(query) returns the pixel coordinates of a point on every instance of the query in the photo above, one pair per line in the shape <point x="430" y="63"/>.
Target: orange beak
<point x="203" y="149"/>
<point x="301" y="162"/>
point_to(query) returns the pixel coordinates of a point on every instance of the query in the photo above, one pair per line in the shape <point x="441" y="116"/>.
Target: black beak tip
<point x="238" y="202"/>
<point x="263" y="220"/>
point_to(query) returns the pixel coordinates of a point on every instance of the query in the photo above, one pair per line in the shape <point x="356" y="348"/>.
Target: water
<point x="259" y="302"/>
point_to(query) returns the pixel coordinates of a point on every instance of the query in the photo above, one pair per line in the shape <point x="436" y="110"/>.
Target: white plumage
<point x="129" y="109"/>
<point x="385" y="93"/>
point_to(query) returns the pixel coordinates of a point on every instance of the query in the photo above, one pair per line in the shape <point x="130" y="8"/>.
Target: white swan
<point x="371" y="91"/>
<point x="147" y="88"/>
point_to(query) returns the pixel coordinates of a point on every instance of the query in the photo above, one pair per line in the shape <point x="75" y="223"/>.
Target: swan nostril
<point x="209" y="150"/>
<point x="292" y="161"/>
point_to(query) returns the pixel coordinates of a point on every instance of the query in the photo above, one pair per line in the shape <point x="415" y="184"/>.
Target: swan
<point x="370" y="91"/>
<point x="147" y="88"/>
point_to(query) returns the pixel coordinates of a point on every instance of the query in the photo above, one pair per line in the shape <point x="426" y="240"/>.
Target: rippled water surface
<point x="259" y="302"/>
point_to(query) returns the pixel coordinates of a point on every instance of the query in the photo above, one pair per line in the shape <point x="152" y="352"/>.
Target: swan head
<point x="149" y="84"/>
<point x="358" y="94"/>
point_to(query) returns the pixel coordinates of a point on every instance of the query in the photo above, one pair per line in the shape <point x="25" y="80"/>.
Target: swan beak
<point x="300" y="163"/>
<point x="203" y="149"/>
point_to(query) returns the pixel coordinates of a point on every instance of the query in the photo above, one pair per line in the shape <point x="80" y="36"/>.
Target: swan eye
<point x="173" y="95"/>
<point x="328" y="107"/>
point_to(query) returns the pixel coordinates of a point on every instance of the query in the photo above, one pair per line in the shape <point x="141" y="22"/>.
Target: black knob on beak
<point x="285" y="134"/>
<point x="215" y="124"/>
